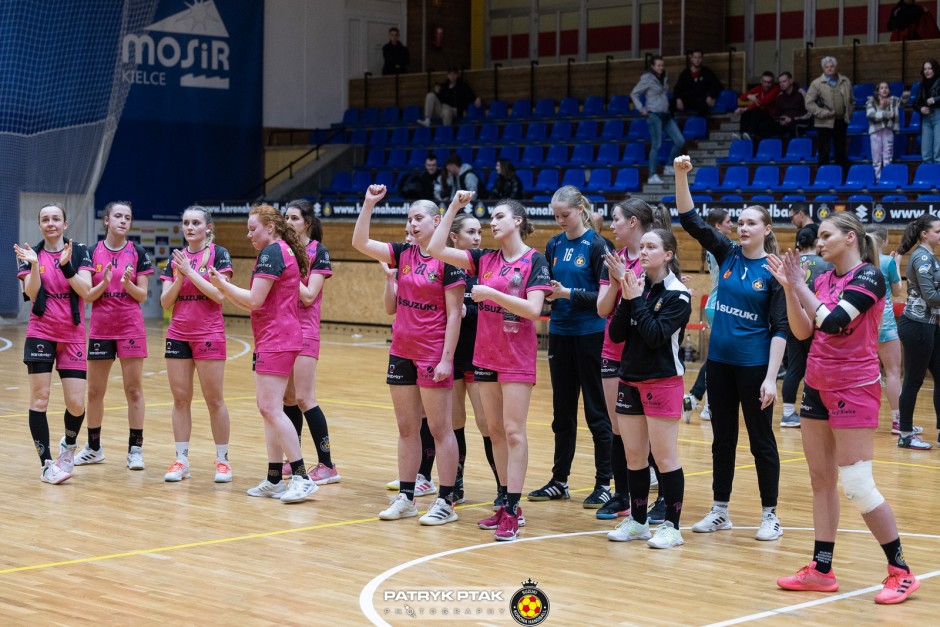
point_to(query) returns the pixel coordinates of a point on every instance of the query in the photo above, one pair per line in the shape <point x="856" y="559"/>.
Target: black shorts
<point x="628" y="400"/>
<point x="102" y="349"/>
<point x="609" y="368"/>
<point x="41" y="356"/>
<point x="485" y="376"/>
<point x="178" y="349"/>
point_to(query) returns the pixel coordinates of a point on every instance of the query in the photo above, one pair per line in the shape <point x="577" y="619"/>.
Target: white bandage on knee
<point x="859" y="486"/>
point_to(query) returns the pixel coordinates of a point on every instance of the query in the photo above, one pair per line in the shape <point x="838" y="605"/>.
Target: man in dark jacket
<point x="697" y="88"/>
<point x="395" y="55"/>
<point x="449" y="100"/>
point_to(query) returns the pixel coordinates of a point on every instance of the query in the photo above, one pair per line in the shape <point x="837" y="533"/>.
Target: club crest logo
<point x="529" y="605"/>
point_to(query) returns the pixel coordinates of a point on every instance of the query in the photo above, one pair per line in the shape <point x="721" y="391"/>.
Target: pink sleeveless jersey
<point x="56" y="323"/>
<point x="495" y="349"/>
<point x="116" y="315"/>
<point x="848" y="359"/>
<point x="195" y="315"/>
<point x="319" y="264"/>
<point x="276" y="323"/>
<point x="614" y="350"/>
<point x="421" y="313"/>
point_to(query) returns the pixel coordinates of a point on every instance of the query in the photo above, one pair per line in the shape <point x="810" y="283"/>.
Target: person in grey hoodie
<point x="654" y="85"/>
<point x="457" y="175"/>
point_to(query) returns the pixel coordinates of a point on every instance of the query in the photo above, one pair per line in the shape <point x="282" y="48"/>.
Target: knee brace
<point x="859" y="486"/>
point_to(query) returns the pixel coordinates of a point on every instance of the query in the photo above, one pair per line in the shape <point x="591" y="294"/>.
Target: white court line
<point x="245" y="350"/>
<point x="7" y="344"/>
<point x="367" y="607"/>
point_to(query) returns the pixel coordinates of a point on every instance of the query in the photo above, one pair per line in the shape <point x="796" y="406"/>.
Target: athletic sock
<point x="182" y="452"/>
<point x="221" y="452"/>
<point x="39" y="430"/>
<point x="296" y="418"/>
<point x="673" y="486"/>
<point x="512" y="502"/>
<point x="135" y="438"/>
<point x="94" y="438"/>
<point x="502" y="494"/>
<point x="822" y="555"/>
<point x="407" y="488"/>
<point x="446" y="492"/>
<point x="618" y="464"/>
<point x="639" y="493"/>
<point x="316" y="423"/>
<point x="73" y="426"/>
<point x="427" y="450"/>
<point x="894" y="554"/>
<point x="488" y="451"/>
<point x="461" y="446"/>
<point x="298" y="468"/>
<point x="274" y="472"/>
<point x="789" y="408"/>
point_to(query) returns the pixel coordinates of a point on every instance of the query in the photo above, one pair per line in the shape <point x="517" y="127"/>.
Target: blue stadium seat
<point x="600" y="181"/>
<point x="557" y="155"/>
<point x="485" y="157"/>
<point x="926" y="178"/>
<point x="795" y="178"/>
<point x="569" y="107"/>
<point x="826" y="198"/>
<point x="411" y="114"/>
<point x="341" y="184"/>
<point x="375" y="159"/>
<point x="400" y="136"/>
<point x="861" y="177"/>
<point x="732" y="198"/>
<point x="532" y="157"/>
<point x="536" y="132"/>
<point x="612" y="131"/>
<point x="378" y="137"/>
<point x="858" y="125"/>
<point x="639" y="130"/>
<point x="593" y="106"/>
<point x="607" y="156"/>
<point x="861" y="198"/>
<point x="912" y="124"/>
<point x="859" y="148"/>
<point x="361" y="181"/>
<point x="827" y="177"/>
<point x="736" y="178"/>
<point x="727" y="102"/>
<point x="793" y="198"/>
<point x="766" y="178"/>
<point x="544" y="108"/>
<point x="908" y="148"/>
<point x="512" y="133"/>
<point x="574" y="177"/>
<point x="351" y="117"/>
<point x="369" y="116"/>
<point x="705" y="179"/>
<point x="762" y="198"/>
<point x="386" y="178"/>
<point x="397" y="158"/>
<point x="929" y="197"/>
<point x="498" y="110"/>
<point x="915" y="89"/>
<point x="474" y="113"/>
<point x="799" y="149"/>
<point x="489" y="134"/>
<point x="862" y="91"/>
<point x="417" y="157"/>
<point x="698" y="199"/>
<point x="895" y="198"/>
<point x="526" y="177"/>
<point x="509" y="152"/>
<point x="491" y="181"/>
<point x="897" y="88"/>
<point x="768" y="151"/>
<point x="695" y="128"/>
<point x="670" y="199"/>
<point x="421" y="136"/>
<point x="561" y="131"/>
<point x="583" y="154"/>
<point x="547" y="181"/>
<point x="587" y="131"/>
<point x="521" y="109"/>
<point x="618" y="105"/>
<point x="390" y="115"/>
<point x="740" y="151"/>
<point x="467" y="134"/>
<point x="628" y="180"/>
<point x="466" y="155"/>
<point x="634" y="153"/>
<point x="444" y="135"/>
<point x="893" y="177"/>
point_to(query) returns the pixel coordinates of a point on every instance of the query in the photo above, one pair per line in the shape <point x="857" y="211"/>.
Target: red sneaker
<point x="899" y="584"/>
<point x="508" y="528"/>
<point x="810" y="579"/>
<point x="493" y="521"/>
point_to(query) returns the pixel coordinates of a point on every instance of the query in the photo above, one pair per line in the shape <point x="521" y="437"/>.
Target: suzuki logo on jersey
<point x="193" y="39"/>
<point x="735" y="311"/>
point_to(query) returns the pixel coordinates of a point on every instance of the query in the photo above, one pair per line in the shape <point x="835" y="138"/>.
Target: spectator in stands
<point x="457" y="176"/>
<point x="654" y="85"/>
<point x="597" y="218"/>
<point x="800" y="218"/>
<point x="791" y="107"/>
<point x="697" y="88"/>
<point x="830" y="100"/>
<point x="884" y="112"/>
<point x="395" y="55"/>
<point x="909" y="21"/>
<point x="928" y="103"/>
<point x="449" y="100"/>
<point x="420" y="185"/>
<point x="508" y="184"/>
<point x="758" y="109"/>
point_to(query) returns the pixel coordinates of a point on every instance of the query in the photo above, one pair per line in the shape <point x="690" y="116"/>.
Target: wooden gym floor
<point x="112" y="546"/>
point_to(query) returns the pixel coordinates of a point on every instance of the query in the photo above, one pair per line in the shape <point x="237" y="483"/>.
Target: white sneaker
<point x="770" y="528"/>
<point x="654" y="480"/>
<point x="666" y="537"/>
<point x="223" y="471"/>
<point x="298" y="489"/>
<point x="706" y="414"/>
<point x="425" y="122"/>
<point x="669" y="171"/>
<point x="688" y="405"/>
<point x="53" y="474"/>
<point x="135" y="458"/>
<point x="654" y="180"/>
<point x="66" y="459"/>
<point x="400" y="507"/>
<point x="440" y="513"/>
<point x="424" y="486"/>
<point x="176" y="472"/>
<point x="629" y="529"/>
<point x="89" y="456"/>
<point x="715" y="520"/>
<point x="268" y="489"/>
<point x="393" y="485"/>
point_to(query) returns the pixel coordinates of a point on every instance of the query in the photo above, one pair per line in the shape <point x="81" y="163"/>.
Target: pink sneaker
<point x="899" y="584"/>
<point x="508" y="528"/>
<point x="493" y="521"/>
<point x="810" y="579"/>
<point x="323" y="474"/>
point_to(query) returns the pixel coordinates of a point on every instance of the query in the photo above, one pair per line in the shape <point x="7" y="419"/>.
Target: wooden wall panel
<point x="891" y="61"/>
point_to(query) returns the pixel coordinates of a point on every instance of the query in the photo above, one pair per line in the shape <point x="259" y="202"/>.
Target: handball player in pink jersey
<point x="505" y="353"/>
<point x="272" y="300"/>
<point x="195" y="340"/>
<point x="421" y="358"/>
<point x="56" y="277"/>
<point x="842" y="312"/>
<point x="120" y="278"/>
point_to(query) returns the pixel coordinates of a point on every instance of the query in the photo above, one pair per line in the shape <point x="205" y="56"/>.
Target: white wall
<point x="313" y="47"/>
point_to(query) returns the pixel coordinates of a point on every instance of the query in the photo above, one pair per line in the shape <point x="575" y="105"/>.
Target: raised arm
<point x="438" y="247"/>
<point x="360" y="239"/>
<point x="683" y="165"/>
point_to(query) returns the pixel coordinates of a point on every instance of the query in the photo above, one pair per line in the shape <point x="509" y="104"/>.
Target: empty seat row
<point x="861" y="177"/>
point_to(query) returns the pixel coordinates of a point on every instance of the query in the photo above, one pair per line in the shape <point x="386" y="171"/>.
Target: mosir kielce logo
<point x="189" y="46"/>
